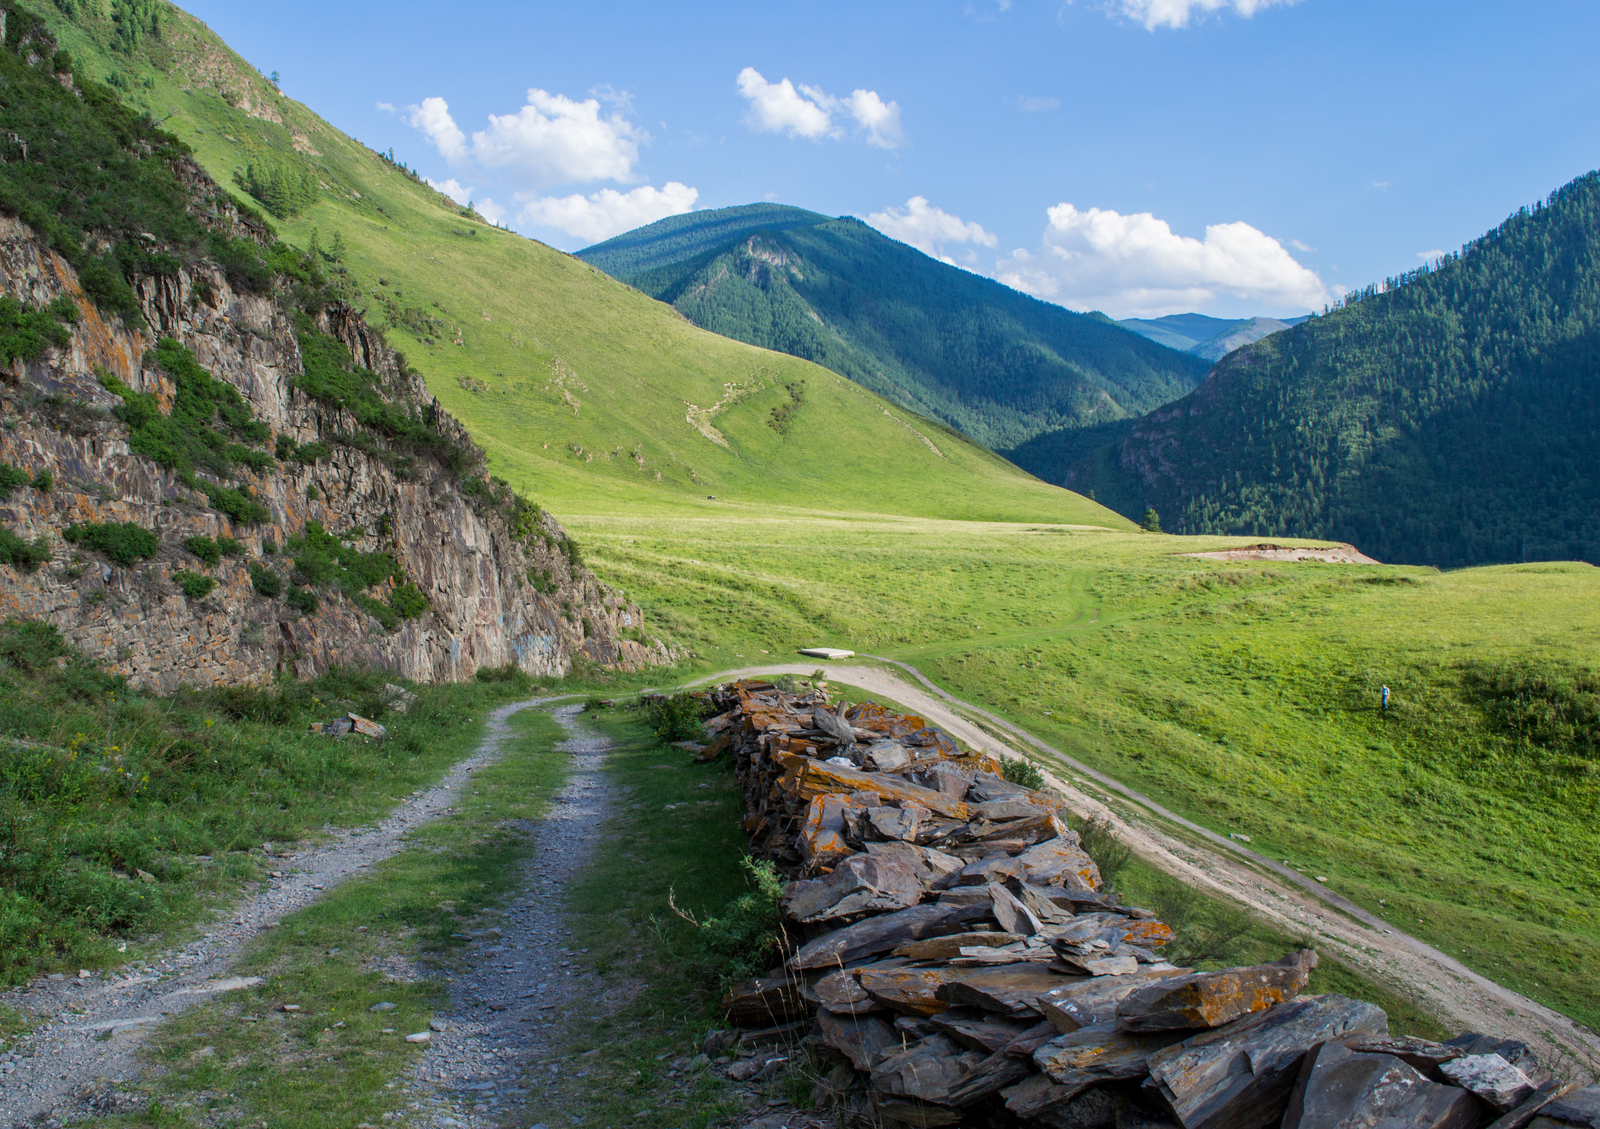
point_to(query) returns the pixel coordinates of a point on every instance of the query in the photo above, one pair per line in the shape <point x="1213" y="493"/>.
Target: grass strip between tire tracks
<point x="239" y="1059"/>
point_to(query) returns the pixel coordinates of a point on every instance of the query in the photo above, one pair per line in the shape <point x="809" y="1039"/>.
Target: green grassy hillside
<point x="582" y="390"/>
<point x="987" y="360"/>
<point x="1243" y="695"/>
<point x="1449" y="418"/>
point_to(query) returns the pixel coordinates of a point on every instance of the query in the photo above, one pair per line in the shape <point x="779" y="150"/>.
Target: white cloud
<point x="1177" y="13"/>
<point x="432" y="117"/>
<point x="1431" y="256"/>
<point x="452" y="188"/>
<point x="386" y="107"/>
<point x="806" y="111"/>
<point x="1299" y="246"/>
<point x="777" y="107"/>
<point x="1135" y="265"/>
<point x="1037" y="105"/>
<point x="880" y="119"/>
<point x="1381" y="185"/>
<point x="550" y="140"/>
<point x="928" y="229"/>
<point x="555" y="140"/>
<point x="607" y="212"/>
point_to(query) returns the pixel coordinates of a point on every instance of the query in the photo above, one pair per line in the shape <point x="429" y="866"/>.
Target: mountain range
<point x="989" y="361"/>
<point x="1208" y="338"/>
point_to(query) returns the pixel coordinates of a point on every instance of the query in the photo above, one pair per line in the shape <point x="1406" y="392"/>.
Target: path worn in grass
<point x="70" y="1064"/>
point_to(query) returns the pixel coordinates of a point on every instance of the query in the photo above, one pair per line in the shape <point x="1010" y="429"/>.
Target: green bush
<point x="303" y="600"/>
<point x="194" y="586"/>
<point x="29" y="644"/>
<point x="265" y="581"/>
<point x="124" y="542"/>
<point x="746" y="938"/>
<point x="10" y="478"/>
<point x="44" y="481"/>
<point x="26" y="555"/>
<point x="1101" y="842"/>
<point x="510" y="673"/>
<point x="204" y="548"/>
<point x="377" y="609"/>
<point x="231" y="547"/>
<point x="677" y="717"/>
<point x="1022" y="772"/>
<point x="409" y="601"/>
<point x="26" y="333"/>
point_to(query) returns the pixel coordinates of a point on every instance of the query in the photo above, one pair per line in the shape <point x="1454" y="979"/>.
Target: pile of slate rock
<point x="953" y="960"/>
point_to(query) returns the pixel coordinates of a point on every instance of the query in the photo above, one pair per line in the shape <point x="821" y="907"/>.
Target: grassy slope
<point x="576" y="385"/>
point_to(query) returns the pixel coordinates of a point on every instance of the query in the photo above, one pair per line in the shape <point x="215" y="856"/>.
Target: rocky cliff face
<point x="497" y="596"/>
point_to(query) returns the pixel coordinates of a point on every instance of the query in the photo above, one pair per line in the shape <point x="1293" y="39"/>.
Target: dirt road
<point x="70" y="1064"/>
<point x="1461" y="998"/>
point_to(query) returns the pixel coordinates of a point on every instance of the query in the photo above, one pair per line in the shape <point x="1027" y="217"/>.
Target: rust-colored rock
<point x="1210" y="999"/>
<point x="910" y="991"/>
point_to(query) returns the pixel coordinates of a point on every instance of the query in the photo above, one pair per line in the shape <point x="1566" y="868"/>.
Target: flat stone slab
<point x="827" y="653"/>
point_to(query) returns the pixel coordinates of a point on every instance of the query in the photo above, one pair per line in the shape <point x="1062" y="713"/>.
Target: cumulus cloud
<point x="880" y="119"/>
<point x="386" y="108"/>
<point x="929" y="229"/>
<point x="1431" y="256"/>
<point x="555" y="140"/>
<point x="807" y="111"/>
<point x="1178" y="13"/>
<point x="552" y="139"/>
<point x="608" y="212"/>
<point x="432" y="117"/>
<point x="1136" y="265"/>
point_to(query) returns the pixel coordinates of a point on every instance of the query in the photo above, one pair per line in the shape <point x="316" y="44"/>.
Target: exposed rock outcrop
<point x="497" y="596"/>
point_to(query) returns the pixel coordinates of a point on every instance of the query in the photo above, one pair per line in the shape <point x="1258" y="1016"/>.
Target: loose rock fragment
<point x="1491" y="1078"/>
<point x="1210" y="999"/>
<point x="1338" y="1088"/>
<point x="1239" y="1076"/>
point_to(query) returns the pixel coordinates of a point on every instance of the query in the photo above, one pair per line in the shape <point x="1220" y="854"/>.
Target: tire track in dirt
<point x="68" y="1064"/>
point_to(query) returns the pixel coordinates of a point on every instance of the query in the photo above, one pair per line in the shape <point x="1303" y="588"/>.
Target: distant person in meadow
<point x="1385" y="707"/>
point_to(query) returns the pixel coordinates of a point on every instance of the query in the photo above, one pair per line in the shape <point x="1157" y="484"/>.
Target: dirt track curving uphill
<point x="1461" y="998"/>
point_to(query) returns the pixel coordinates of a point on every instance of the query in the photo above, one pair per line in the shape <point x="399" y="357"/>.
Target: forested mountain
<point x="1450" y="417"/>
<point x="992" y="362"/>
<point x="1208" y="338"/>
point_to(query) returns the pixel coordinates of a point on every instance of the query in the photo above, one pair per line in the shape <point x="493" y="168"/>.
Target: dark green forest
<point x="991" y="362"/>
<point x="1450" y="417"/>
<point x="677" y="239"/>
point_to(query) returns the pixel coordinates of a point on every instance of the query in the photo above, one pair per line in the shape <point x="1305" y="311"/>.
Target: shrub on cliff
<point x="124" y="542"/>
<point x="194" y="586"/>
<point x="265" y="581"/>
<point x="26" y="555"/>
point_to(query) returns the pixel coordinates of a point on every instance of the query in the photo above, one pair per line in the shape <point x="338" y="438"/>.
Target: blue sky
<point x="1136" y="156"/>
